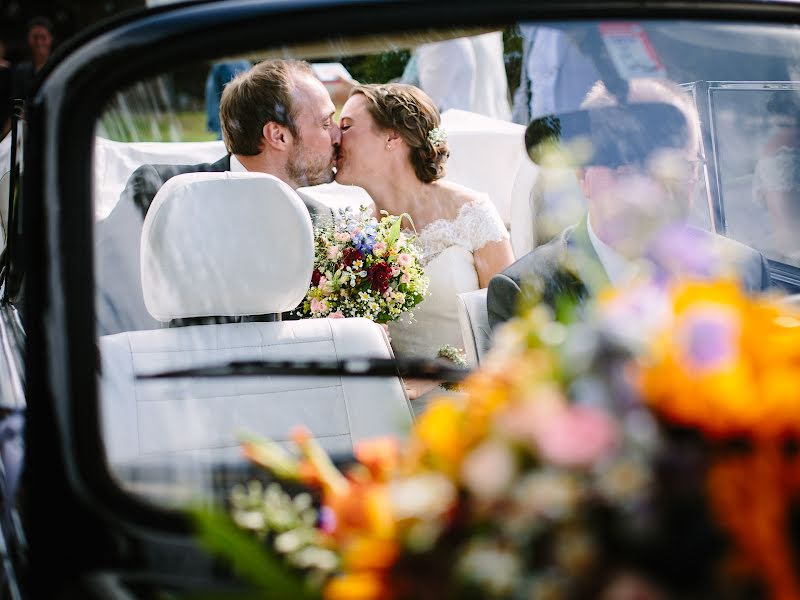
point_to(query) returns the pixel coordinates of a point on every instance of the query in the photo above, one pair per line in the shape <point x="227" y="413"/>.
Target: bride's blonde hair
<point x="413" y="115"/>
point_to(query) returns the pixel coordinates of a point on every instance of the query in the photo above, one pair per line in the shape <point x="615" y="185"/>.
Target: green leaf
<point x="248" y="557"/>
<point x="394" y="232"/>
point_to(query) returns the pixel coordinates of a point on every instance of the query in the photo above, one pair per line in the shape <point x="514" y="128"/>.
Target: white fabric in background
<point x="115" y="161"/>
<point x="466" y="74"/>
<point x="489" y="156"/>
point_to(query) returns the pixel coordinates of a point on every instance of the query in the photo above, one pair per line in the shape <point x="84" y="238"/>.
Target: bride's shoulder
<point x="457" y="196"/>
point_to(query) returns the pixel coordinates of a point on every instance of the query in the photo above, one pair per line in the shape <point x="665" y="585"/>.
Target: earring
<point x="387" y="146"/>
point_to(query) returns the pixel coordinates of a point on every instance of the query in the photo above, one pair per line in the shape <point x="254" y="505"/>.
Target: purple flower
<point x="679" y="251"/>
<point x="709" y="338"/>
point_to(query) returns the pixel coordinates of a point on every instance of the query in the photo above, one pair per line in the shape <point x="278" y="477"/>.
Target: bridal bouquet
<point x="364" y="267"/>
<point x="647" y="450"/>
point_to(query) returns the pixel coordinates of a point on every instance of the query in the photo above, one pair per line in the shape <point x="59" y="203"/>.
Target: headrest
<point x="225" y="244"/>
<point x="607" y="136"/>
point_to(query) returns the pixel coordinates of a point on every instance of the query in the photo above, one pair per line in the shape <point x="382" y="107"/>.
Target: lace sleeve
<point x="482" y="224"/>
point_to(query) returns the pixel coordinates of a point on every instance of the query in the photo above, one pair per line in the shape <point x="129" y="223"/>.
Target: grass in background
<point x="165" y="127"/>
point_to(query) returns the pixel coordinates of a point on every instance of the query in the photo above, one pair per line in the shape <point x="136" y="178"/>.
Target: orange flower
<point x="439" y="436"/>
<point x="726" y="363"/>
<point x="364" y="585"/>
<point x="381" y="456"/>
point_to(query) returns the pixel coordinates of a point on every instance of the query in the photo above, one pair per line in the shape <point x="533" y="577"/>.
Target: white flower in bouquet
<point x="364" y="267"/>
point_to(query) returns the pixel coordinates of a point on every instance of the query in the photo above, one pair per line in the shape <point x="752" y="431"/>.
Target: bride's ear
<point x="392" y="138"/>
<point x="275" y="135"/>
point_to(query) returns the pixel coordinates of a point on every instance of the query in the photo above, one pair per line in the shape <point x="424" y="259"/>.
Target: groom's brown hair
<point x="256" y="97"/>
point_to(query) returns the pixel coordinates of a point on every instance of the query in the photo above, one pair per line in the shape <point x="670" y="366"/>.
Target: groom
<point x="636" y="215"/>
<point x="276" y="118"/>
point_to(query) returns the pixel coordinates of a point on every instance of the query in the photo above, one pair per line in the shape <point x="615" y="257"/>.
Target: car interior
<point x="203" y="359"/>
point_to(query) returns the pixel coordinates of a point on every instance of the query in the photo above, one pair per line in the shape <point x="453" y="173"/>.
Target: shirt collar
<point x="619" y="269"/>
<point x="236" y="166"/>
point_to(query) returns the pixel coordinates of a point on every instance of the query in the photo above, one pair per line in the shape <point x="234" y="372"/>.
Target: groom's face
<point x="312" y="156"/>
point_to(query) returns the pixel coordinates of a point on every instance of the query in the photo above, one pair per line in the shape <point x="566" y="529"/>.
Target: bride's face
<point x="362" y="153"/>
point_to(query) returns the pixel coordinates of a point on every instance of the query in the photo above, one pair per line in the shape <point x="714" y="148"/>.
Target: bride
<point x="393" y="147"/>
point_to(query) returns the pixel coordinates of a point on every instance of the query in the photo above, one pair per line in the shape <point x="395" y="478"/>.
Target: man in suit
<point x="276" y="118"/>
<point x="637" y="212"/>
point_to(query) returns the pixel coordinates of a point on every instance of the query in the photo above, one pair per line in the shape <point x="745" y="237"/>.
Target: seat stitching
<point x="292" y="343"/>
<point x="341" y="387"/>
<point x="135" y="396"/>
<point x="267" y="393"/>
<point x="234" y="445"/>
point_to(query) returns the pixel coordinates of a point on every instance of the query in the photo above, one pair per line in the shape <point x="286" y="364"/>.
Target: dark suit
<point x="120" y="301"/>
<point x="568" y="267"/>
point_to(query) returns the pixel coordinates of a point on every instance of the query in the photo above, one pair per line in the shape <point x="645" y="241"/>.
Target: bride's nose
<point x="336" y="134"/>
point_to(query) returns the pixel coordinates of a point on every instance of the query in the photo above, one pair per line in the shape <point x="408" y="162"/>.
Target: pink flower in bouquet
<point x="405" y="278"/>
<point x="379" y="248"/>
<point x="404" y="259"/>
<point x="396" y="271"/>
<point x="334" y="252"/>
<point x="576" y="436"/>
<point x="379" y="275"/>
<point x="336" y="315"/>
<point x="318" y="306"/>
<point x="341" y="236"/>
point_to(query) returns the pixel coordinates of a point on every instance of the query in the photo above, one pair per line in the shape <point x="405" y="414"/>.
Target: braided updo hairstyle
<point x="412" y="114"/>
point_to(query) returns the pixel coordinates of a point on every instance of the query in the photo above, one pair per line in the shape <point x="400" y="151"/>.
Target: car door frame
<point x="64" y="461"/>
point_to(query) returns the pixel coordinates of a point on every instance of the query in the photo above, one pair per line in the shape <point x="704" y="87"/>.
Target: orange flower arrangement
<point x="539" y="480"/>
<point x="728" y="366"/>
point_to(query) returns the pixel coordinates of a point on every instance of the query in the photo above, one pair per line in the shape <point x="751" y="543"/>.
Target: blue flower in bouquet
<point x="364" y="241"/>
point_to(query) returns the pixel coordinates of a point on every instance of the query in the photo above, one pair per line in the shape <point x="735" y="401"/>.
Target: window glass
<point x="201" y="241"/>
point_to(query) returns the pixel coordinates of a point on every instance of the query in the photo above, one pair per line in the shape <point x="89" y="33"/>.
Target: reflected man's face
<point x="312" y="157"/>
<point x="630" y="204"/>
<point x="40" y="41"/>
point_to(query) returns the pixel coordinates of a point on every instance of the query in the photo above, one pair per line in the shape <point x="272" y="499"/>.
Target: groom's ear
<point x="275" y="135"/>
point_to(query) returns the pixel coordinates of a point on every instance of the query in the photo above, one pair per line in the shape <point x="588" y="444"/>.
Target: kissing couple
<point x="278" y="118"/>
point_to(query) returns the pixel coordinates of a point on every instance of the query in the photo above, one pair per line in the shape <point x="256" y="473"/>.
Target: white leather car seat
<point x="234" y="244"/>
<point x="473" y="316"/>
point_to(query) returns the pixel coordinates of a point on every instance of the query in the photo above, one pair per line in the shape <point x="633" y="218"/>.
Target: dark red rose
<point x="351" y="255"/>
<point x="379" y="275"/>
<point x="315" y="275"/>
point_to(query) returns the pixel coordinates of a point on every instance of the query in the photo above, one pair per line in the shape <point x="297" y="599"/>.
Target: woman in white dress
<point x="392" y="147"/>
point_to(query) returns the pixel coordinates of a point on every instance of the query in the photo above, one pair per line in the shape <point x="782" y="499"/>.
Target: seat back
<point x="473" y="316"/>
<point x="222" y="244"/>
<point x="488" y="155"/>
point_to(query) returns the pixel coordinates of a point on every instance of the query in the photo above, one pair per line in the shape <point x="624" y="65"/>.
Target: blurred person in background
<point x="776" y="180"/>
<point x="5" y="92"/>
<point x="40" y="44"/>
<point x="464" y="73"/>
<point x="555" y="76"/>
<point x="219" y="76"/>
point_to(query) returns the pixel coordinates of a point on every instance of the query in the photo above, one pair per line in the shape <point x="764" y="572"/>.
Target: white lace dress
<point x="447" y="247"/>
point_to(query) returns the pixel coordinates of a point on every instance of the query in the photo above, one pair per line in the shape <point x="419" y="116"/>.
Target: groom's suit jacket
<point x="568" y="267"/>
<point x="119" y="298"/>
